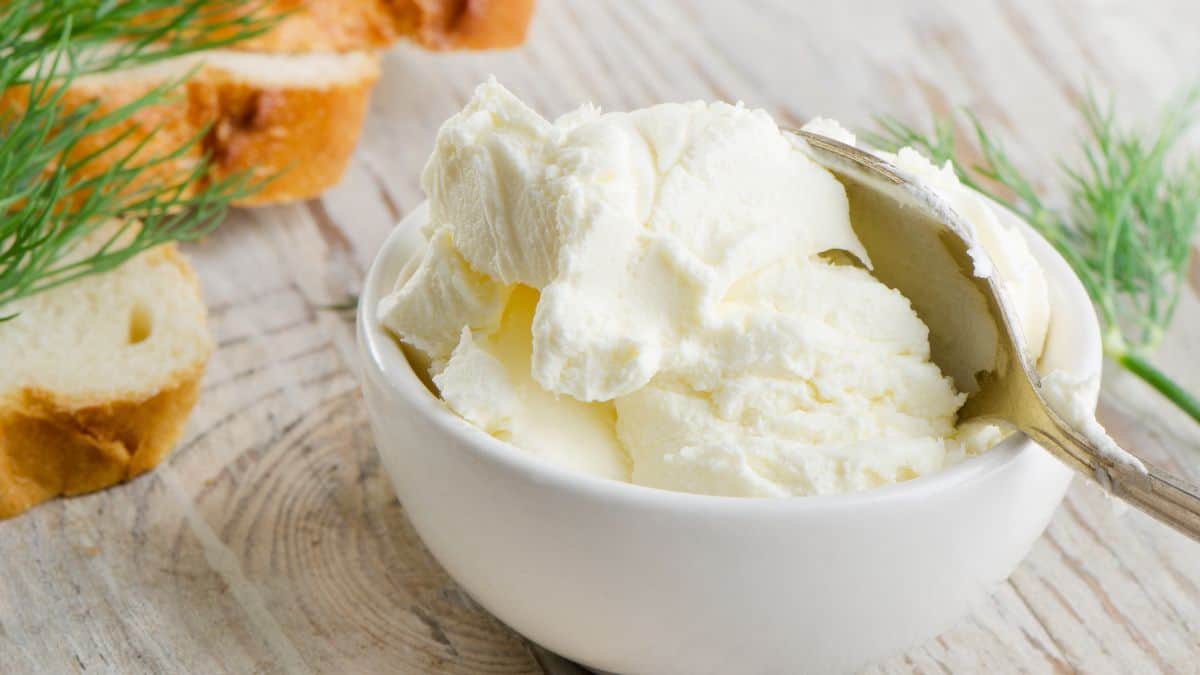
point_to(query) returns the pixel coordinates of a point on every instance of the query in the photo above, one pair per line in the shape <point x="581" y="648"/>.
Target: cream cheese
<point x="670" y="296"/>
<point x="1072" y="398"/>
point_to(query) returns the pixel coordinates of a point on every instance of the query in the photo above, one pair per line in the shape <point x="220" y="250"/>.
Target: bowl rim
<point x="384" y="363"/>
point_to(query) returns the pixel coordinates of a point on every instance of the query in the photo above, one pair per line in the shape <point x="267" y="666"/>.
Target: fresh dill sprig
<point x="114" y="34"/>
<point x="58" y="185"/>
<point x="1132" y="210"/>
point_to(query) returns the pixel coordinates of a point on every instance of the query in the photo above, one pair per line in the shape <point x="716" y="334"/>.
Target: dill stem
<point x="1159" y="380"/>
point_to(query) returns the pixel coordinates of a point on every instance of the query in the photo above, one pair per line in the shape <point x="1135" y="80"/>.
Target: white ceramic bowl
<point x="632" y="579"/>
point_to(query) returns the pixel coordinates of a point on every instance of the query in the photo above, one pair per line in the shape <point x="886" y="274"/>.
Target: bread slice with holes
<point x="97" y="378"/>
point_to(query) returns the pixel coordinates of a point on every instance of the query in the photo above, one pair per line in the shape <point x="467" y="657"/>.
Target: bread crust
<point x="297" y="138"/>
<point x="351" y="25"/>
<point x="49" y="450"/>
<point x="53" y="444"/>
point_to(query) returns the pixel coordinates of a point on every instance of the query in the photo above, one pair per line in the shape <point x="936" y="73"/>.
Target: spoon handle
<point x="1172" y="500"/>
<point x="1158" y="493"/>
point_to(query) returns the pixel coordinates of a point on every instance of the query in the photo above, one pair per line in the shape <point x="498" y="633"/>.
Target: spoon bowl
<point x="920" y="247"/>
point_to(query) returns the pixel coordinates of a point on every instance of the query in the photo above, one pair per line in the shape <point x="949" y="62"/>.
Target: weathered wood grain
<point x="272" y="542"/>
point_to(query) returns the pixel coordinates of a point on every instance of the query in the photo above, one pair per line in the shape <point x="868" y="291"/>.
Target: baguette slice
<point x="97" y="378"/>
<point x="288" y="104"/>
<point x="293" y="117"/>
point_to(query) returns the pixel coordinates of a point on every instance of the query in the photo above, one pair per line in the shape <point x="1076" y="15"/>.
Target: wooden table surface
<point x="271" y="541"/>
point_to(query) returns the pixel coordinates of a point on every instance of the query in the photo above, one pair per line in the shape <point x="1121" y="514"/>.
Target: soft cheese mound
<point x="672" y="296"/>
<point x="816" y="380"/>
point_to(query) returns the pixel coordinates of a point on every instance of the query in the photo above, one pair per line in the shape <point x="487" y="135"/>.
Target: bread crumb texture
<point x="98" y="378"/>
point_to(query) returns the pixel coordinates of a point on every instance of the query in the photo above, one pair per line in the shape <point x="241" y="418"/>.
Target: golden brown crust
<point x="353" y="25"/>
<point x="472" y="24"/>
<point x="47" y="450"/>
<point x="51" y="445"/>
<point x="301" y="137"/>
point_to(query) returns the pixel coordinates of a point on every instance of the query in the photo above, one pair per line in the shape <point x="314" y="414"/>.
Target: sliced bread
<point x="295" y="117"/>
<point x="97" y="378"/>
<point x="288" y="104"/>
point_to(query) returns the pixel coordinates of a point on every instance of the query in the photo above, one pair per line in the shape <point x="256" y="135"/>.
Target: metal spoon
<point x="919" y="247"/>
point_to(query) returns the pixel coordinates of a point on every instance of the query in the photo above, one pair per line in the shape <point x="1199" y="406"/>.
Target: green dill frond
<point x="893" y="134"/>
<point x="105" y="35"/>
<point x="56" y="191"/>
